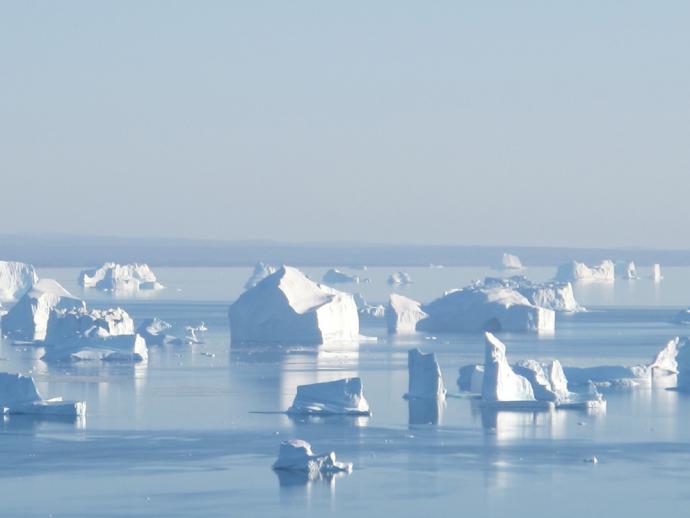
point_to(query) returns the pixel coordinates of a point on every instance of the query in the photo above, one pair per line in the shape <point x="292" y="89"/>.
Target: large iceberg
<point x="18" y="395"/>
<point x="261" y="271"/>
<point x="557" y="296"/>
<point x="15" y="279"/>
<point x="335" y="276"/>
<point x="28" y="318"/>
<point x="425" y="378"/>
<point x="116" y="277"/>
<point x="340" y="397"/>
<point x="574" y="271"/>
<point x="288" y="307"/>
<point x="399" y="279"/>
<point x="403" y="314"/>
<point x="297" y="455"/>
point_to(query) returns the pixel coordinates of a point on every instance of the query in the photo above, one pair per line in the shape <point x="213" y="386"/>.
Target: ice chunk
<point x="557" y="296"/>
<point x="334" y="276"/>
<point x="116" y="348"/>
<point x="403" y="314"/>
<point x="575" y="271"/>
<point x="344" y="396"/>
<point x="547" y="379"/>
<point x="261" y="271"/>
<point x="656" y="273"/>
<point x="297" y="455"/>
<point x="367" y="312"/>
<point x="399" y="278"/>
<point x="510" y="262"/>
<point x="15" y="279"/>
<point x="154" y="332"/>
<point x="18" y="395"/>
<point x="626" y="270"/>
<point x="28" y="318"/>
<point x="116" y="277"/>
<point x="479" y="308"/>
<point x="666" y="359"/>
<point x="425" y="378"/>
<point x="500" y="382"/>
<point x="288" y="307"/>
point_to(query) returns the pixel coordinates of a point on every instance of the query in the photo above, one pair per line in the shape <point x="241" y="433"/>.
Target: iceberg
<point x="28" y="318"/>
<point x="18" y="395"/>
<point x="288" y="307"/>
<point x="547" y="379"/>
<point x="500" y="383"/>
<point x="15" y="280"/>
<point x="116" y="277"/>
<point x="574" y="272"/>
<point x="297" y="455"/>
<point x="656" y="273"/>
<point x="334" y="276"/>
<point x="557" y="296"/>
<point x="340" y="397"/>
<point x="399" y="278"/>
<point x="510" y="262"/>
<point x="154" y="332"/>
<point x="425" y="378"/>
<point x="261" y="271"/>
<point x="367" y="312"/>
<point x="403" y="314"/>
<point x="628" y="271"/>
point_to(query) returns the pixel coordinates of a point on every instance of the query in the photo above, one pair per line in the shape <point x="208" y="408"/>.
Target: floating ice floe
<point x="15" y="280"/>
<point x="510" y="262"/>
<point x="261" y="271"/>
<point x="425" y="378"/>
<point x="656" y="272"/>
<point x="399" y="278"/>
<point x="80" y="335"/>
<point x="557" y="296"/>
<point x="340" y="397"/>
<point x="28" y="318"/>
<point x="367" y="312"/>
<point x="626" y="270"/>
<point x="155" y="332"/>
<point x="288" y="307"/>
<point x="116" y="277"/>
<point x="574" y="271"/>
<point x="334" y="276"/>
<point x="403" y="314"/>
<point x="18" y="395"/>
<point x="297" y="455"/>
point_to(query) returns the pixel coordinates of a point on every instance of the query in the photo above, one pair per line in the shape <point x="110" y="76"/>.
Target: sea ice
<point x="288" y="307"/>
<point x="28" y="318"/>
<point x="574" y="271"/>
<point x="18" y="395"/>
<point x="343" y="396"/>
<point x="261" y="271"/>
<point x="399" y="278"/>
<point x="116" y="277"/>
<point x="403" y="314"/>
<point x="15" y="279"/>
<point x="425" y="378"/>
<point x="297" y="455"/>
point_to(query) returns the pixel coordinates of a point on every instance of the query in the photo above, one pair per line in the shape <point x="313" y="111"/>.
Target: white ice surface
<point x="344" y="396"/>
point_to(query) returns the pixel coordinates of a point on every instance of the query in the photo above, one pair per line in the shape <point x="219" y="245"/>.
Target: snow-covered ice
<point x="261" y="271"/>
<point x="335" y="276"/>
<point x="500" y="383"/>
<point x="15" y="279"/>
<point x="425" y="378"/>
<point x="399" y="278"/>
<point x="557" y="296"/>
<point x="116" y="277"/>
<point x="288" y="307"/>
<point x="297" y="455"/>
<point x="402" y="314"/>
<point x="18" y="395"/>
<point x="575" y="271"/>
<point x="28" y="318"/>
<point x="510" y="262"/>
<point x="339" y="397"/>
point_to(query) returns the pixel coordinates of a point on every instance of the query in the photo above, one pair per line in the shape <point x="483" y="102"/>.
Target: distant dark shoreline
<point x="55" y="250"/>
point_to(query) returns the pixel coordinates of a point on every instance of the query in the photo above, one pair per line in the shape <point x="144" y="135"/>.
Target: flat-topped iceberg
<point x="399" y="279"/>
<point x="297" y="455"/>
<point x="425" y="379"/>
<point x="15" y="279"/>
<point x="557" y="296"/>
<point x="19" y="395"/>
<point x="575" y="271"/>
<point x="403" y="314"/>
<point x="28" y="318"/>
<point x="340" y="397"/>
<point x="510" y="262"/>
<point x="116" y="277"/>
<point x="261" y="271"/>
<point x="335" y="276"/>
<point x="288" y="307"/>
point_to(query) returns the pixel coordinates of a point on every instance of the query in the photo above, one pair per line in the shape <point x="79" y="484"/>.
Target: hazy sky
<point x="551" y="123"/>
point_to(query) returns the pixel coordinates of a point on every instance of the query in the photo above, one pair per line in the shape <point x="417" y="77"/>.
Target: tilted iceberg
<point x="297" y="455"/>
<point x="335" y="276"/>
<point x="340" y="397"/>
<point x="28" y="318"/>
<point x="116" y="277"/>
<point x="288" y="307"/>
<point x="15" y="279"/>
<point x="18" y="395"/>
<point x="557" y="296"/>
<point x="574" y="271"/>
<point x="403" y="314"/>
<point x="261" y="271"/>
<point x="399" y="278"/>
<point x="425" y="378"/>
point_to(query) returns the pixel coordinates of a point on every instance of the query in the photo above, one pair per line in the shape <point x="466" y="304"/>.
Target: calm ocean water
<point x="180" y="435"/>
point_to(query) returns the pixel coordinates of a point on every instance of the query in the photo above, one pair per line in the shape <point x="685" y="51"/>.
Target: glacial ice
<point x="574" y="271"/>
<point x="425" y="378"/>
<point x="367" y="312"/>
<point x="557" y="296"/>
<point x="656" y="272"/>
<point x="500" y="383"/>
<point x="403" y="314"/>
<point x="510" y="262"/>
<point x="339" y="397"/>
<point x="399" y="278"/>
<point x="18" y="395"/>
<point x="547" y="379"/>
<point x="288" y="307"/>
<point x="471" y="378"/>
<point x="28" y="318"/>
<point x="15" y="279"/>
<point x="683" y="365"/>
<point x="334" y="276"/>
<point x="297" y="455"/>
<point x="116" y="277"/>
<point x="261" y="271"/>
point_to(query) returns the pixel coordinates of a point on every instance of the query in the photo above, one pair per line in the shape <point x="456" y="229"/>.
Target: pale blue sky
<point x="545" y="123"/>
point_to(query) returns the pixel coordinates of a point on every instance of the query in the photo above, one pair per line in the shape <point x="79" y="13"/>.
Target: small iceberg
<point x="340" y="397"/>
<point x="155" y="332"/>
<point x="575" y="272"/>
<point x="403" y="314"/>
<point x="18" y="395"/>
<point x="116" y="277"/>
<point x="656" y="273"/>
<point x="15" y="280"/>
<point x="510" y="262"/>
<point x="367" y="312"/>
<point x="626" y="270"/>
<point x="297" y="455"/>
<point x="425" y="378"/>
<point x="399" y="279"/>
<point x="557" y="296"/>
